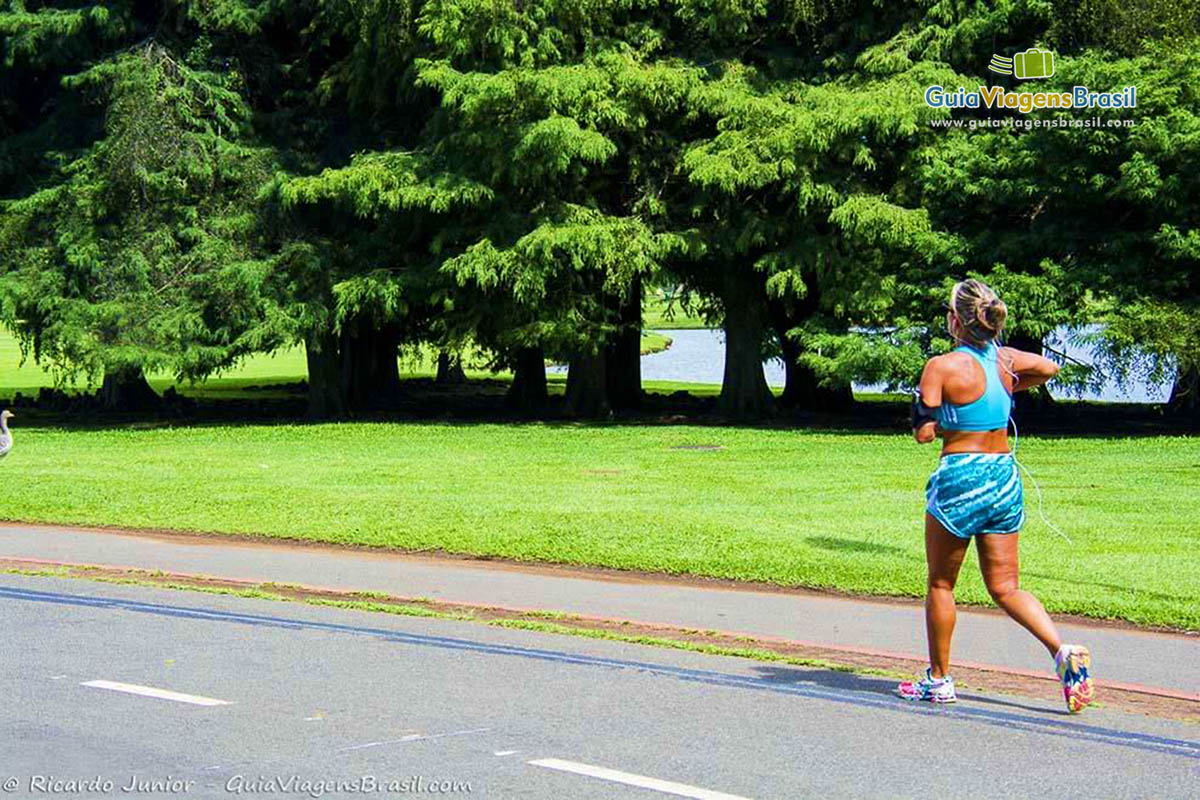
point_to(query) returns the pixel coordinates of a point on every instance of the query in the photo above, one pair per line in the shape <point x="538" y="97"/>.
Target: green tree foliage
<point x="573" y="155"/>
<point x="189" y="181"/>
<point x="363" y="208"/>
<point x="522" y="203"/>
<point x="133" y="246"/>
<point x="1078" y="224"/>
<point x="1073" y="224"/>
<point x="1124" y="27"/>
<point x="806" y="219"/>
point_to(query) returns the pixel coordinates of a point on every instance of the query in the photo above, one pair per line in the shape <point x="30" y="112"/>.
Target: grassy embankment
<point x="830" y="510"/>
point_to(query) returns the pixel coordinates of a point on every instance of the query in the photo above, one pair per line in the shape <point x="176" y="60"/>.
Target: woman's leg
<point x="999" y="563"/>
<point x="944" y="553"/>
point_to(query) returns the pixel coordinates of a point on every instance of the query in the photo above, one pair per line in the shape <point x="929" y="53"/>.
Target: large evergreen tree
<point x="130" y="241"/>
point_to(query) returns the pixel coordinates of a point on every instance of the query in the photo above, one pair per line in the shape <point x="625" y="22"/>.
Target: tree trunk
<point x="804" y="392"/>
<point x="449" y="370"/>
<point x="624" y="353"/>
<point x="528" y="391"/>
<point x="370" y="372"/>
<point x="126" y="389"/>
<point x="326" y="399"/>
<point x="801" y="388"/>
<point x="744" y="390"/>
<point x="1185" y="394"/>
<point x="587" y="386"/>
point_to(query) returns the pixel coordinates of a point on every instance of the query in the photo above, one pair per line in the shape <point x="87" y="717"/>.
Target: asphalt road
<point x="288" y="700"/>
<point x="1161" y="660"/>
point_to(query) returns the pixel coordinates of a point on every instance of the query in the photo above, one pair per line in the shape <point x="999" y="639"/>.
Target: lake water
<point x="698" y="356"/>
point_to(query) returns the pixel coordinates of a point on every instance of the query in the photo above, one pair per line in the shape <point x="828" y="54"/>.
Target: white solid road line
<point x="150" y="691"/>
<point x="616" y="776"/>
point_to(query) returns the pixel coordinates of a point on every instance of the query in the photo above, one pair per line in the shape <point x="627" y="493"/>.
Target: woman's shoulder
<point x="948" y="361"/>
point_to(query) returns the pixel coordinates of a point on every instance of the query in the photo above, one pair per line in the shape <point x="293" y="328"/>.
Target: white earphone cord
<point x="1023" y="468"/>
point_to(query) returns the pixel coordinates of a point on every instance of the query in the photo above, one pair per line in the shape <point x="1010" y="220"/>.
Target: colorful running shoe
<point x="929" y="688"/>
<point x="1073" y="663"/>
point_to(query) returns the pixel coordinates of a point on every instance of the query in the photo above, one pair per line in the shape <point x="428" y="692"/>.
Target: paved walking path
<point x="1167" y="661"/>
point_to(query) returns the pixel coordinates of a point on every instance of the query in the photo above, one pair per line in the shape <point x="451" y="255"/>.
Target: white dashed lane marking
<point x="629" y="779"/>
<point x="160" y="694"/>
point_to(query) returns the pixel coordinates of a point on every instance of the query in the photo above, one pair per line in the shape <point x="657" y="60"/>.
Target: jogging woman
<point x="975" y="492"/>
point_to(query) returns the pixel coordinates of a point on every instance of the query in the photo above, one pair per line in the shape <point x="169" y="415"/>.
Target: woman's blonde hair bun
<point x="980" y="312"/>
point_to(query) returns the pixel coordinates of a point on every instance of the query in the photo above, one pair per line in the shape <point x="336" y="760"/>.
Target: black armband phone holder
<point x="921" y="413"/>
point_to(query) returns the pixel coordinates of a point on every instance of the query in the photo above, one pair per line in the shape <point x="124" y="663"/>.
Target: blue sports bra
<point x="991" y="411"/>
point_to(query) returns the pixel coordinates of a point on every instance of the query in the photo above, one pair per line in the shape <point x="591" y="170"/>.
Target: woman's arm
<point x="930" y="389"/>
<point x="1029" y="369"/>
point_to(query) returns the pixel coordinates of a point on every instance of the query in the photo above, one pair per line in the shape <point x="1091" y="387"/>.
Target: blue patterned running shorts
<point x="972" y="493"/>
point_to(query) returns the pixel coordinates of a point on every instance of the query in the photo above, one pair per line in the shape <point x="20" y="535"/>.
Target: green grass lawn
<point x="826" y="510"/>
<point x="285" y="366"/>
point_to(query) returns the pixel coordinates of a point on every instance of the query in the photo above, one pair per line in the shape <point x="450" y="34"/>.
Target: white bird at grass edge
<point x="5" y="433"/>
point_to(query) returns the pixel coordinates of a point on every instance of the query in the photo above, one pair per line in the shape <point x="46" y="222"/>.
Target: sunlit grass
<point x="829" y="510"/>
